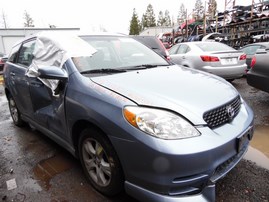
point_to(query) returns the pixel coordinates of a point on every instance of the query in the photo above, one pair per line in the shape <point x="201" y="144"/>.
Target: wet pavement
<point x="37" y="169"/>
<point x="259" y="102"/>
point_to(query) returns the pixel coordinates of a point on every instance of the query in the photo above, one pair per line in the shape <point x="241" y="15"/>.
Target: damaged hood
<point x="188" y="92"/>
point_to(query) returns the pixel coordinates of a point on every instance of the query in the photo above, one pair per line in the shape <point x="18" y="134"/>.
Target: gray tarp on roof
<point x="54" y="49"/>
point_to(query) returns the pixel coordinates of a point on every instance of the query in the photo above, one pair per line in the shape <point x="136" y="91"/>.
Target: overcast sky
<point x="112" y="15"/>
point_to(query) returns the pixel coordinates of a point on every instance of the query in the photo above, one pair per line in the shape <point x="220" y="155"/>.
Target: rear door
<point x="178" y="55"/>
<point x="19" y="61"/>
<point x="33" y="97"/>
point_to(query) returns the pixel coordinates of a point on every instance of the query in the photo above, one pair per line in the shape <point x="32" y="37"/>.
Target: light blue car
<point x="138" y="123"/>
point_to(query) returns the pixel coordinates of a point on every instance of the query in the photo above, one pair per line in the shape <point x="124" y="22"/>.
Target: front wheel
<point x="100" y="162"/>
<point x="15" y="113"/>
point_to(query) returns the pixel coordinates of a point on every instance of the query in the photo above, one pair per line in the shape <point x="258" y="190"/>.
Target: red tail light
<point x="243" y="57"/>
<point x="253" y="62"/>
<point x="207" y="58"/>
<point x="167" y="55"/>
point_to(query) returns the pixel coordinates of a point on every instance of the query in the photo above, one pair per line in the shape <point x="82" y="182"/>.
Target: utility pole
<point x="187" y="26"/>
<point x="252" y="9"/>
<point x="217" y="17"/>
<point x="205" y="19"/>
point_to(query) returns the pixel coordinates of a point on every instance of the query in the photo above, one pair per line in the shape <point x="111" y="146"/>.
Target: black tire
<point x="15" y="113"/>
<point x="100" y="162"/>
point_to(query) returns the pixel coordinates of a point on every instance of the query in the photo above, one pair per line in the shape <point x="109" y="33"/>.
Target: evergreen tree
<point x="161" y="19"/>
<point x="182" y="14"/>
<point x="149" y="17"/>
<point x="167" y="18"/>
<point x="29" y="22"/>
<point x="134" y="24"/>
<point x="198" y="10"/>
<point x="143" y="22"/>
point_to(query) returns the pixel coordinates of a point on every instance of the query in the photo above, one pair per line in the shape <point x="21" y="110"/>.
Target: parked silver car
<point x="213" y="57"/>
<point x="138" y="123"/>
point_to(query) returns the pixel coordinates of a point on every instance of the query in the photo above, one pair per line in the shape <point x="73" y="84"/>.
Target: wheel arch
<point x="81" y="125"/>
<point x="77" y="134"/>
<point x="7" y="92"/>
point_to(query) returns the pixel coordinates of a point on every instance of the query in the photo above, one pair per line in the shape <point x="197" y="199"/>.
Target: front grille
<point x="222" y="114"/>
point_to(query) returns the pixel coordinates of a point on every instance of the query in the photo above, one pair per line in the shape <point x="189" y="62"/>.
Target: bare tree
<point x="29" y="22"/>
<point x="4" y="19"/>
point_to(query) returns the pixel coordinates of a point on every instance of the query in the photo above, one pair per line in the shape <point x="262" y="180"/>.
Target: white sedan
<point x="213" y="57"/>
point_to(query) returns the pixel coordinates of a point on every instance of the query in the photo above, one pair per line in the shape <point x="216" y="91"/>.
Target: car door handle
<point x="36" y="84"/>
<point x="12" y="74"/>
<point x="183" y="57"/>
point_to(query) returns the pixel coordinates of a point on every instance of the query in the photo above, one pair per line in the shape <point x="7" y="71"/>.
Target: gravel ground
<point x="247" y="181"/>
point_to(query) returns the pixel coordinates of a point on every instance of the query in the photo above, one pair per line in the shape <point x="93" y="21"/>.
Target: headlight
<point x="159" y="123"/>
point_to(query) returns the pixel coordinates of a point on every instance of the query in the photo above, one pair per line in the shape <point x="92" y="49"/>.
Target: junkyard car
<point x="154" y="43"/>
<point x="3" y="59"/>
<point x="160" y="131"/>
<point x="213" y="57"/>
<point x="258" y="75"/>
<point x="251" y="49"/>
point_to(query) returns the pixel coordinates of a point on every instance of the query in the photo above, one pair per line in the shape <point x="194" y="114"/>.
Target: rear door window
<point x="173" y="50"/>
<point x="183" y="49"/>
<point x="14" y="53"/>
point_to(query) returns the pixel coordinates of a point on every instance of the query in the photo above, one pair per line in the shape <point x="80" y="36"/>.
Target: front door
<point x="41" y="105"/>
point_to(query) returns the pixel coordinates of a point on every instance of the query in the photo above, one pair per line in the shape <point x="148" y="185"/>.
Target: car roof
<point x="194" y="43"/>
<point x="93" y="34"/>
<point x="200" y="42"/>
<point x="266" y="44"/>
<point x="80" y="34"/>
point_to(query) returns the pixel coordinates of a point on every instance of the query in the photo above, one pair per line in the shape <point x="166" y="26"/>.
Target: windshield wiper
<point x="104" y="70"/>
<point x="144" y="66"/>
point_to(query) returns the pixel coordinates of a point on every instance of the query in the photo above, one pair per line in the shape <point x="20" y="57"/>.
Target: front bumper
<point x="208" y="194"/>
<point x="206" y="191"/>
<point x="176" y="170"/>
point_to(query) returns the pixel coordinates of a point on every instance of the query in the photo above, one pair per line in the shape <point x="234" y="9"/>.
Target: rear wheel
<point x="15" y="113"/>
<point x="100" y="162"/>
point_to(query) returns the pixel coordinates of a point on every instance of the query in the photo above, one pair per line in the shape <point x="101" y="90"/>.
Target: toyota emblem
<point x="230" y="112"/>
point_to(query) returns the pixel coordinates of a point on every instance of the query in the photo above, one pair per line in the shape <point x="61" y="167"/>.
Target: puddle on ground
<point x="1" y="79"/>
<point x="47" y="169"/>
<point x="259" y="147"/>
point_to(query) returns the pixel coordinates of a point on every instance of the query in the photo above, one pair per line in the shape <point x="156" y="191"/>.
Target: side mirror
<point x="53" y="72"/>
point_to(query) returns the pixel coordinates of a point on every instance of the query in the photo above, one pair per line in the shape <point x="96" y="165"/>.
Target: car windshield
<point x="208" y="47"/>
<point x="117" y="53"/>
